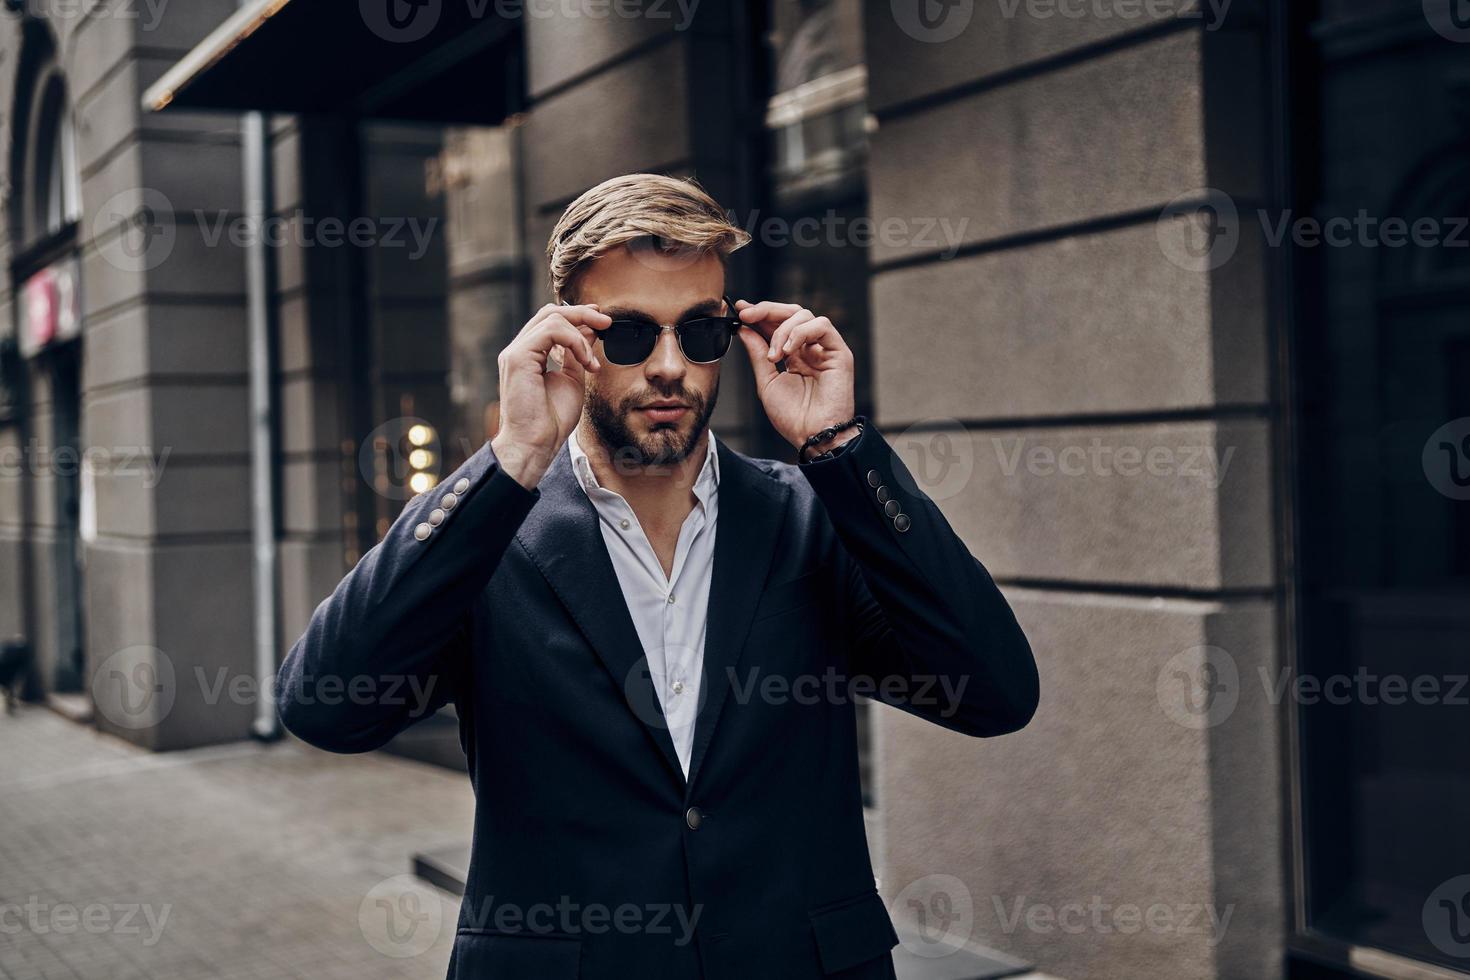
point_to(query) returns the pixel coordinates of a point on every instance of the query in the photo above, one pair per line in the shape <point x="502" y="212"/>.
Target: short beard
<point x="662" y="446"/>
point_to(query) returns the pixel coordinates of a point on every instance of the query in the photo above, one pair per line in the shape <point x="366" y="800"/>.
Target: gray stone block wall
<point x="1058" y="336"/>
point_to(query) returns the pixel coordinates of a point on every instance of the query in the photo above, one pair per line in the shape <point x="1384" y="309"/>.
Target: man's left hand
<point x="816" y="389"/>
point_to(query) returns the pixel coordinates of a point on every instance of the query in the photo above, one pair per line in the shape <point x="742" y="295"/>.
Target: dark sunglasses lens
<point x="628" y="341"/>
<point x="706" y="339"/>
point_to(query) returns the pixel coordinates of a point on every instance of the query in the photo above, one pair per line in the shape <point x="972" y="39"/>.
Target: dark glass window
<point x="1382" y="368"/>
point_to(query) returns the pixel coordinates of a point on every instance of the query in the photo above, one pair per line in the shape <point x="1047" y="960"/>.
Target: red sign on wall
<point x="50" y="307"/>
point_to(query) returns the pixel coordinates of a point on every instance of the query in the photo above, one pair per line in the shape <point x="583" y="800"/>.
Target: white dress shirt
<point x="668" y="612"/>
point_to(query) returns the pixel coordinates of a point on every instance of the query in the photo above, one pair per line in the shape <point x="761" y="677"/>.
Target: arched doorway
<point x="46" y="281"/>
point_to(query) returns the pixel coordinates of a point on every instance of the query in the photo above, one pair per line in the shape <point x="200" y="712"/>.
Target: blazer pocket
<point x="511" y="956"/>
<point x="795" y="593"/>
<point x="852" y="931"/>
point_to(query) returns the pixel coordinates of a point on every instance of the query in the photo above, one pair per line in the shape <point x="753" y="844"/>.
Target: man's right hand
<point x="540" y="407"/>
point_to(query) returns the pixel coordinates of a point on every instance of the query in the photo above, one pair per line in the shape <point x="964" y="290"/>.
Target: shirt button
<point x="693" y="817"/>
<point x="623" y="523"/>
<point x="671" y="598"/>
<point x="678" y="687"/>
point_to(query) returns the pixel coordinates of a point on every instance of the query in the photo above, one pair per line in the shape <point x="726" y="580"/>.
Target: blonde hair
<point x="668" y="213"/>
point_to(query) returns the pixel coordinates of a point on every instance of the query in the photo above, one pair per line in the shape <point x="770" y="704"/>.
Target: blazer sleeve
<point x="924" y="620"/>
<point x="384" y="649"/>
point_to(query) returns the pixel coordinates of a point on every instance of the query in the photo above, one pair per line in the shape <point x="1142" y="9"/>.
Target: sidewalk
<point x="245" y="862"/>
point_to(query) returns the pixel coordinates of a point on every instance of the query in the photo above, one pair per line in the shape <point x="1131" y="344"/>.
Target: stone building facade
<point x="1037" y="224"/>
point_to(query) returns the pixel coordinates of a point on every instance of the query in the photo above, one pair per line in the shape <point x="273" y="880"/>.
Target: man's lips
<point x="671" y="412"/>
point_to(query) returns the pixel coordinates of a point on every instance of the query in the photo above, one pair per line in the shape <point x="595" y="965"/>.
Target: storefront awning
<point x="447" y="61"/>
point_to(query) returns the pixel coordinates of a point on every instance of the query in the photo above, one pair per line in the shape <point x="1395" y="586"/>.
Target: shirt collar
<point x="704" y="485"/>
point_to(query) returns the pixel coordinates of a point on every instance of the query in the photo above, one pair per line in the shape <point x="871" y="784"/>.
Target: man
<point x="653" y="641"/>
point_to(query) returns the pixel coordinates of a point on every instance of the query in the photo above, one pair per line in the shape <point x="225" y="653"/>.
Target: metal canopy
<point x="446" y="61"/>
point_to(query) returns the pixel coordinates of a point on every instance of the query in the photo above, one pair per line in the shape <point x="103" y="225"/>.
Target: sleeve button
<point x="422" y="532"/>
<point x="883" y="495"/>
<point x="901" y="523"/>
<point x="461" y="485"/>
<point x="873" y="478"/>
<point x="436" y="517"/>
<point x="449" y="501"/>
<point x="892" y="509"/>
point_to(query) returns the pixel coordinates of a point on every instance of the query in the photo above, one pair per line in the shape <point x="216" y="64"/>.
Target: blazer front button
<point x="449" y="501"/>
<point x="422" y="532"/>
<point x="892" y="509"/>
<point x="693" y="817"/>
<point x="873" y="478"/>
<point x="901" y="523"/>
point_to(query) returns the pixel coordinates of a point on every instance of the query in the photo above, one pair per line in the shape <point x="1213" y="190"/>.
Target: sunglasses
<point x="703" y="339"/>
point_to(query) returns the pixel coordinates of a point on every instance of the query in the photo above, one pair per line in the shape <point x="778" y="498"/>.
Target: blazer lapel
<point x="562" y="536"/>
<point x="752" y="510"/>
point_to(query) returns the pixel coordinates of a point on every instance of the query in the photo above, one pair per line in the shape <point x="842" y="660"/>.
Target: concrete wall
<point x="1092" y="407"/>
<point x="163" y="356"/>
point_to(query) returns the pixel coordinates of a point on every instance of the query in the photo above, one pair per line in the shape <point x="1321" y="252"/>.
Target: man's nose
<point x="667" y="360"/>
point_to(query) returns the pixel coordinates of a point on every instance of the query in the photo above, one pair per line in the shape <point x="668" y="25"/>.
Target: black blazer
<point x="592" y="856"/>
